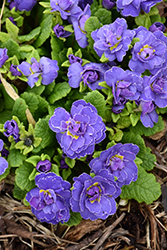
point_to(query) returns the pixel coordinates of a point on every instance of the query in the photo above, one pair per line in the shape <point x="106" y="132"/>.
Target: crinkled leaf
<point x="18" y="193"/>
<point x="60" y="90"/>
<point x="97" y="100"/>
<point x="15" y="158"/>
<point x="46" y="28"/>
<point x="57" y="46"/>
<point x="32" y="35"/>
<point x="22" y="177"/>
<point x="19" y="109"/>
<point x="12" y="29"/>
<point x="75" y="219"/>
<point x="12" y="47"/>
<point x="103" y="15"/>
<point x="31" y="100"/>
<point x="145" y="189"/>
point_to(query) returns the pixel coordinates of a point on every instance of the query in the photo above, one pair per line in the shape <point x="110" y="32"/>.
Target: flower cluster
<point x="12" y="129"/>
<point x="78" y="132"/>
<point x="3" y="162"/>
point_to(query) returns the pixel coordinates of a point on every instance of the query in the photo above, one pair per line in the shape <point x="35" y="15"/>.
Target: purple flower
<point x="94" y="197"/>
<point x="49" y="201"/>
<point x="78" y="132"/>
<point x="14" y="70"/>
<point x="133" y="7"/>
<point x="43" y="166"/>
<point x="82" y="3"/>
<point x="3" y="162"/>
<point x="46" y="67"/>
<point x="113" y="40"/>
<point x="149" y="52"/>
<point x="91" y="74"/>
<point x="23" y="4"/>
<point x="148" y="115"/>
<point x="60" y="32"/>
<point x="79" y="26"/>
<point x="108" y="4"/>
<point x="156" y="88"/>
<point x="119" y="161"/>
<point x="67" y="8"/>
<point x="126" y="85"/>
<point x="3" y="56"/>
<point x="73" y="59"/>
<point x="157" y="26"/>
<point x="12" y="129"/>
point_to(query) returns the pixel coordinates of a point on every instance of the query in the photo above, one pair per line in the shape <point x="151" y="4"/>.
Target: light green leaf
<point x="33" y="174"/>
<point x="12" y="29"/>
<point x="103" y="15"/>
<point x="70" y="162"/>
<point x="32" y="35"/>
<point x="145" y="189"/>
<point x="33" y="160"/>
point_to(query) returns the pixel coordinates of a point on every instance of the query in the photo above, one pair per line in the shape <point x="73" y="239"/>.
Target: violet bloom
<point x="91" y="74"/>
<point x="133" y="8"/>
<point x="12" y="129"/>
<point x="113" y="40"/>
<point x="94" y="197"/>
<point x="3" y="56"/>
<point x="108" y="4"/>
<point x="149" y="52"/>
<point x="60" y="32"/>
<point x="22" y="4"/>
<point x="46" y="67"/>
<point x="79" y="26"/>
<point x="43" y="166"/>
<point x="73" y="59"/>
<point x="126" y="85"/>
<point x="3" y="162"/>
<point x="14" y="70"/>
<point x="156" y="88"/>
<point x="119" y="161"/>
<point x="82" y="3"/>
<point x="78" y="132"/>
<point x="67" y="8"/>
<point x="157" y="26"/>
<point x="49" y="201"/>
<point x="148" y="114"/>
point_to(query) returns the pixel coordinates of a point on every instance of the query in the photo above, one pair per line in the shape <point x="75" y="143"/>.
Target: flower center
<point x="147" y="52"/>
<point x="116" y="162"/>
<point x="90" y="76"/>
<point x="158" y="85"/>
<point x="46" y="196"/>
<point x="94" y="192"/>
<point x="75" y="128"/>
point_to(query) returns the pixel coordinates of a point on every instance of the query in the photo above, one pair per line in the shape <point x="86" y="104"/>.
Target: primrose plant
<point x="79" y="87"/>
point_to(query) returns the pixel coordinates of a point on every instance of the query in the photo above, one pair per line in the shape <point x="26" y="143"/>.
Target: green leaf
<point x="145" y="189"/>
<point x="134" y="118"/>
<point x="55" y="169"/>
<point x="33" y="174"/>
<point x="31" y="100"/>
<point x="15" y="158"/>
<point x="123" y="122"/>
<point x="45" y="4"/>
<point x="57" y="46"/>
<point x="91" y="24"/>
<point x="103" y="15"/>
<point x="3" y="176"/>
<point x="4" y="37"/>
<point x="42" y="130"/>
<point x="33" y="160"/>
<point x="148" y="159"/>
<point x="18" y="193"/>
<point x="22" y="177"/>
<point x="32" y="35"/>
<point x="66" y="173"/>
<point x="70" y="162"/>
<point x="46" y="28"/>
<point x="94" y="7"/>
<point x="141" y="130"/>
<point x="98" y="101"/>
<point x="12" y="47"/>
<point x="74" y="220"/>
<point x="12" y="29"/>
<point x="60" y="90"/>
<point x="19" y="110"/>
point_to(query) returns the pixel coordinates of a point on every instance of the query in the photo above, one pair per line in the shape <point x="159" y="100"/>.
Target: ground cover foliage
<point x="83" y="99"/>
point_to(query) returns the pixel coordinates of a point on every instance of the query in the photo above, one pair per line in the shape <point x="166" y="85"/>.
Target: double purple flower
<point x="91" y="74"/>
<point x="49" y="201"/>
<point x="3" y="162"/>
<point x="126" y="85"/>
<point x="73" y="59"/>
<point x="60" y="31"/>
<point x="133" y="7"/>
<point x="46" y="67"/>
<point x="119" y="161"/>
<point x="44" y="166"/>
<point x="22" y="4"/>
<point x="78" y="132"/>
<point x="113" y="40"/>
<point x="94" y="197"/>
<point x="150" y="52"/>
